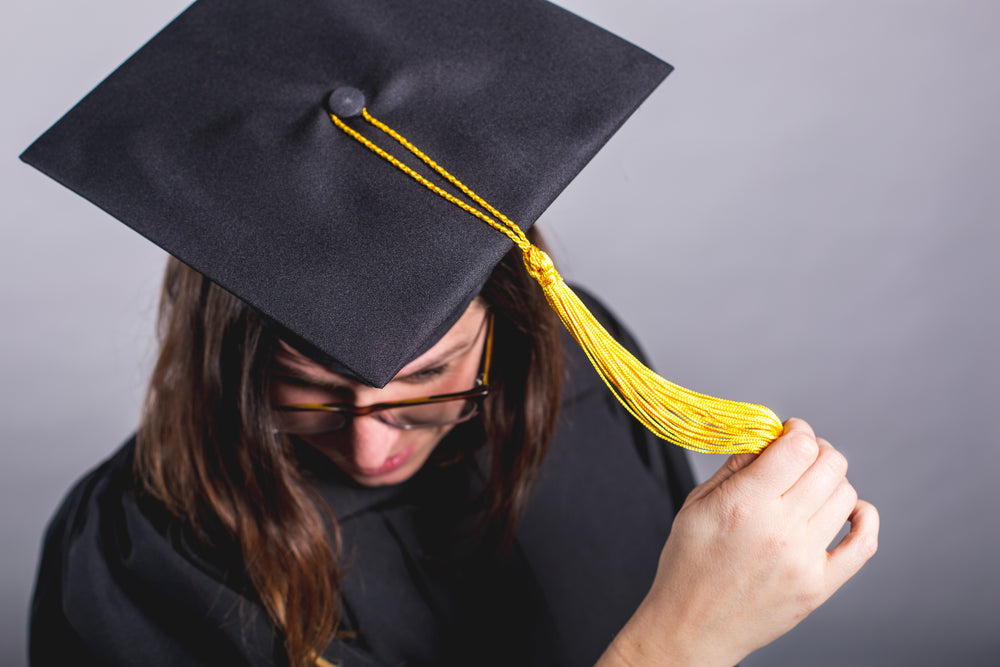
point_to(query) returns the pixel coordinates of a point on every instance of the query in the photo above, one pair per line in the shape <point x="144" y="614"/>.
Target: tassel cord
<point x="695" y="421"/>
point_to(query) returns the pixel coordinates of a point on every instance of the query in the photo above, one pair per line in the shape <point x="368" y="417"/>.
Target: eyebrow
<point x="445" y="357"/>
<point x="305" y="378"/>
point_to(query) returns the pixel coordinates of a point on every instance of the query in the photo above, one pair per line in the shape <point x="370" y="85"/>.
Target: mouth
<point x="391" y="464"/>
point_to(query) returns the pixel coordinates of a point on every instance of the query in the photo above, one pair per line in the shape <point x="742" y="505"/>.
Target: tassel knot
<point x="540" y="266"/>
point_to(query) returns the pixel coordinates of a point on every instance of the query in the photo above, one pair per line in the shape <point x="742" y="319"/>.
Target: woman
<point x="220" y="476"/>
<point x="364" y="441"/>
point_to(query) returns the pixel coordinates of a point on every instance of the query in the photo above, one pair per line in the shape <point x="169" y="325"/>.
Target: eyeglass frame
<point x="480" y="391"/>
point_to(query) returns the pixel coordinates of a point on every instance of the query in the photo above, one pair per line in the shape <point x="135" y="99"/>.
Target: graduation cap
<point x="326" y="161"/>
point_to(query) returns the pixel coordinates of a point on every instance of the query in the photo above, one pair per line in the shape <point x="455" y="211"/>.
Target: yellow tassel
<point x="692" y="420"/>
<point x="686" y="418"/>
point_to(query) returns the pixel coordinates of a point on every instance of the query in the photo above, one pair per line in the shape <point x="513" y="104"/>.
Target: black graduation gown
<point x="121" y="582"/>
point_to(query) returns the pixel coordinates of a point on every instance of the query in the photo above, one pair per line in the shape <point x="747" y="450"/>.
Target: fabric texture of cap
<point x="215" y="142"/>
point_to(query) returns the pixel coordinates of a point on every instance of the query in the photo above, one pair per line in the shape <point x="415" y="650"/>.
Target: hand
<point x="748" y="556"/>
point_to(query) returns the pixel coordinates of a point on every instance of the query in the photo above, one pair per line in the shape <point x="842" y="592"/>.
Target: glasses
<point x="407" y="414"/>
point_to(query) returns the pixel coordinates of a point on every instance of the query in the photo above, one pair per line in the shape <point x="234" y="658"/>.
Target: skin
<point x="749" y="556"/>
<point x="369" y="451"/>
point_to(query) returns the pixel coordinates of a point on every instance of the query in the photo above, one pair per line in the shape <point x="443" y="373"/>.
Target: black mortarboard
<point x="215" y="141"/>
<point x="231" y="140"/>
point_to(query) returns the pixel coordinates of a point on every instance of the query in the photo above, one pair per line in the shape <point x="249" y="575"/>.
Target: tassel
<point x="686" y="418"/>
<point x="689" y="419"/>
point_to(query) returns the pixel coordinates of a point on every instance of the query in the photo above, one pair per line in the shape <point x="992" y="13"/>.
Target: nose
<point x="371" y="443"/>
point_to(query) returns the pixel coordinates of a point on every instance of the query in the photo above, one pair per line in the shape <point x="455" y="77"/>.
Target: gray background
<point x="804" y="215"/>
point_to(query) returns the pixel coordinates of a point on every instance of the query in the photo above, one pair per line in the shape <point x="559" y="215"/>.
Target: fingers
<point x="812" y="490"/>
<point x="830" y="518"/>
<point x="859" y="545"/>
<point x="783" y="462"/>
<point x="733" y="464"/>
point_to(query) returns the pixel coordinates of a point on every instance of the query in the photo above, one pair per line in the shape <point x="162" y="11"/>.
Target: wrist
<point x="654" y="638"/>
<point x="643" y="644"/>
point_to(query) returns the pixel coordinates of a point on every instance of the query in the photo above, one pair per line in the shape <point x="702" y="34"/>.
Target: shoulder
<point x="47" y="620"/>
<point x="85" y="499"/>
<point x="121" y="583"/>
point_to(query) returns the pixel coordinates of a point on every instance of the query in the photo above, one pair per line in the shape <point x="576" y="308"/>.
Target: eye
<point x="427" y="374"/>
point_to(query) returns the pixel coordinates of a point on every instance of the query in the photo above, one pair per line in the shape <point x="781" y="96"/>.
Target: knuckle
<point x="798" y="572"/>
<point x="849" y="492"/>
<point x="843" y="500"/>
<point x="868" y="538"/>
<point x="776" y="542"/>
<point x="735" y="509"/>
<point x="733" y="464"/>
<point x="737" y="462"/>
<point x="835" y="462"/>
<point x="872" y="512"/>
<point x="735" y="514"/>
<point x="810" y="597"/>
<point x="868" y="546"/>
<point x="773" y="544"/>
<point x="805" y="583"/>
<point x="796" y="424"/>
<point x="802" y="445"/>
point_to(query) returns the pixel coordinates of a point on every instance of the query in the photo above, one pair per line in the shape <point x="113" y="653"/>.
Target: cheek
<point x="282" y="393"/>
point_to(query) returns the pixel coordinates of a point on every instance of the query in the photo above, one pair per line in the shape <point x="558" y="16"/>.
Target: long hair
<point x="207" y="450"/>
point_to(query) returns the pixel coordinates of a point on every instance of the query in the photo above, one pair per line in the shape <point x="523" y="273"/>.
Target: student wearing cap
<point x="368" y="439"/>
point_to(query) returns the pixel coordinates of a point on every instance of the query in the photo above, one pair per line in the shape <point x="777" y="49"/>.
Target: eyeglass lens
<point x="427" y="415"/>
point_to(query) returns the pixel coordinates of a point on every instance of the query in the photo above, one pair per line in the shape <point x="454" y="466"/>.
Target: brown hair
<point x="206" y="446"/>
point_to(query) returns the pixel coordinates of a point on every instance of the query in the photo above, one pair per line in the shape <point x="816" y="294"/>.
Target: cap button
<point x="346" y="102"/>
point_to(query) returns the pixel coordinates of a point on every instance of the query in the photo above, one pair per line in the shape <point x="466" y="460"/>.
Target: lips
<point x="392" y="463"/>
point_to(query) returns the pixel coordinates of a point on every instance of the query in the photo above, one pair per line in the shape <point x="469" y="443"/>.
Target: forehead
<point x="456" y="340"/>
